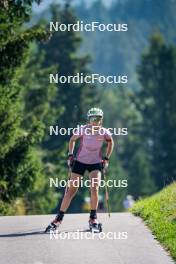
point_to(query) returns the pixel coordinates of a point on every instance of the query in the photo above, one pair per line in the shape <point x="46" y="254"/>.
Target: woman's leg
<point x="70" y="191"/>
<point x="72" y="187"/>
<point x="95" y="177"/>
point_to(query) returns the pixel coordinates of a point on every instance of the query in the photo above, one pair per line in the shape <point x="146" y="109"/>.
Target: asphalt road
<point x="125" y="240"/>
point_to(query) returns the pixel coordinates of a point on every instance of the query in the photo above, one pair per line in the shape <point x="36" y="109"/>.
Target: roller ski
<point x="53" y="226"/>
<point x="95" y="226"/>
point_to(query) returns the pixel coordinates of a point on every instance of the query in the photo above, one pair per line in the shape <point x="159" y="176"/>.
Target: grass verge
<point x="159" y="213"/>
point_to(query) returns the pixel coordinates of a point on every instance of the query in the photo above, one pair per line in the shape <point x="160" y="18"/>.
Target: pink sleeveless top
<point x="89" y="151"/>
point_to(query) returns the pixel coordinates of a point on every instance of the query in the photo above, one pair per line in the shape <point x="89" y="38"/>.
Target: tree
<point x="130" y="159"/>
<point x="156" y="101"/>
<point x="19" y="166"/>
<point x="62" y="51"/>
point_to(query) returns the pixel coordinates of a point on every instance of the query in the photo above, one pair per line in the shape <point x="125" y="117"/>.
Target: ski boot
<point x="95" y="226"/>
<point x="53" y="225"/>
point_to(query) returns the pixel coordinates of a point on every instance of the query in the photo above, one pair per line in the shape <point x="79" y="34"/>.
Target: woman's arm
<point x="110" y="146"/>
<point x="71" y="145"/>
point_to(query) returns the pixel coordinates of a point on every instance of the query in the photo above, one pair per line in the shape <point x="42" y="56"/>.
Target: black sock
<point x="60" y="216"/>
<point x="93" y="214"/>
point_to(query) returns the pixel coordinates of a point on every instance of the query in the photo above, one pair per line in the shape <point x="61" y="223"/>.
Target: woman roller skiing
<point x="91" y="136"/>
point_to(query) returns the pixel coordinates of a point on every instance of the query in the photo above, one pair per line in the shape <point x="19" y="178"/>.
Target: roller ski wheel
<point x="94" y="226"/>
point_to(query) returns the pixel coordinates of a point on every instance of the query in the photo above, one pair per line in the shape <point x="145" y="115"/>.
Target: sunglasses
<point x="95" y="118"/>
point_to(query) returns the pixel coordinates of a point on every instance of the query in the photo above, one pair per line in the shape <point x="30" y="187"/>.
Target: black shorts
<point x="80" y="168"/>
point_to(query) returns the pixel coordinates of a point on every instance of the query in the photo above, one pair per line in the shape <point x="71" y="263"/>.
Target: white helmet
<point x="95" y="112"/>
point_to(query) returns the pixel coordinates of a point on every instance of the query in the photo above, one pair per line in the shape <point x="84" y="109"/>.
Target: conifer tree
<point x="63" y="51"/>
<point x="156" y="102"/>
<point x="19" y="166"/>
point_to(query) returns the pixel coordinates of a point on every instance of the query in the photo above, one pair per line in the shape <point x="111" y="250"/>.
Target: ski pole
<point x="106" y="194"/>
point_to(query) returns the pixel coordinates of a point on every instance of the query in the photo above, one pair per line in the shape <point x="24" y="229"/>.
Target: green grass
<point x="159" y="213"/>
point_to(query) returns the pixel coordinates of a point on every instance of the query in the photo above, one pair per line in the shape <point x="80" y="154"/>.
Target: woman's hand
<point x="105" y="163"/>
<point x="70" y="160"/>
